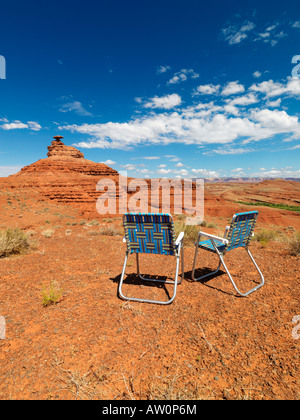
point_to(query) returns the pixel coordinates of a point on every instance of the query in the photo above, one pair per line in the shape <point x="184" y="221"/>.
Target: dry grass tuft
<point x="294" y="244"/>
<point x="13" y="241"/>
<point x="109" y="231"/>
<point x="172" y="388"/>
<point x="190" y="232"/>
<point x="51" y="294"/>
<point x="48" y="233"/>
<point x="264" y="236"/>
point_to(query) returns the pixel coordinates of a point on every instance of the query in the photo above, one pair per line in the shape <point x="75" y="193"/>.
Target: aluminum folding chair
<point x="238" y="234"/>
<point x="150" y="233"/>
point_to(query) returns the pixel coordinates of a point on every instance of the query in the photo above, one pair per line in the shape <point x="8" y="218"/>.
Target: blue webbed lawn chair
<point x="149" y="233"/>
<point x="238" y="234"/>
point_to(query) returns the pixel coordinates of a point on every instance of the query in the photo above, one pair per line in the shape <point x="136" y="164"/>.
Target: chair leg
<point x="149" y="300"/>
<point x="122" y="276"/>
<point x="231" y="279"/>
<point x="182" y="264"/>
<point x="221" y="258"/>
<point x="194" y="266"/>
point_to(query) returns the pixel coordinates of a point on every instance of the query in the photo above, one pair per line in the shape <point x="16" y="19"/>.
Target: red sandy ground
<point x="208" y="344"/>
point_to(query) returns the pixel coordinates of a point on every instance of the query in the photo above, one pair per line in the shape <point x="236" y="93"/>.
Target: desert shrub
<point x="48" y="233"/>
<point x="170" y="388"/>
<point x="294" y="244"/>
<point x="107" y="220"/>
<point x="211" y="225"/>
<point x="264" y="236"/>
<point x="204" y="223"/>
<point x="190" y="232"/>
<point x="51" y="294"/>
<point x="109" y="231"/>
<point x="13" y="241"/>
<point x="93" y="223"/>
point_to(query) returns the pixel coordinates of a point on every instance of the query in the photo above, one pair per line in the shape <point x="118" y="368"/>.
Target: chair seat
<point x="209" y="246"/>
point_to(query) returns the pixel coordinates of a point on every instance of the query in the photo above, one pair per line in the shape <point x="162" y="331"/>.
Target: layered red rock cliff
<point x="65" y="176"/>
<point x="66" y="159"/>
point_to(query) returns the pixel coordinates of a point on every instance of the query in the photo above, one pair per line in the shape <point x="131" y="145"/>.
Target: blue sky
<point x="156" y="88"/>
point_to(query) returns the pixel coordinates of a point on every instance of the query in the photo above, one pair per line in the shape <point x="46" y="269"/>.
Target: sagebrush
<point x="13" y="241"/>
<point x="294" y="244"/>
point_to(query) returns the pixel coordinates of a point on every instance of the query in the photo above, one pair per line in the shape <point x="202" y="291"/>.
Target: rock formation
<point x="58" y="150"/>
<point x="65" y="176"/>
<point x="62" y="158"/>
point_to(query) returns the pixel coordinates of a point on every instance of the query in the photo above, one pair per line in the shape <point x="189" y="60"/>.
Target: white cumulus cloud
<point x="15" y="125"/>
<point x="203" y="123"/>
<point x="232" y="88"/>
<point x="109" y="162"/>
<point x="164" y="102"/>
<point x="208" y="89"/>
<point x="256" y="74"/>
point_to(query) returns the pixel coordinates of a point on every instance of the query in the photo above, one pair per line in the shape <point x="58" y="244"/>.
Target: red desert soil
<point x="208" y="344"/>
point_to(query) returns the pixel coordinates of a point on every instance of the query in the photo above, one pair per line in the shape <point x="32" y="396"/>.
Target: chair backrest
<point x="151" y="233"/>
<point x="241" y="228"/>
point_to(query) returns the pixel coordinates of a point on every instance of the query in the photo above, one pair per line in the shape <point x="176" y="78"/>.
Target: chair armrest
<point x="179" y="238"/>
<point x="226" y="231"/>
<point x="208" y="235"/>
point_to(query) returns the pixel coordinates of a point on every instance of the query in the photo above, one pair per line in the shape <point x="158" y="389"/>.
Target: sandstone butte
<point x="66" y="177"/>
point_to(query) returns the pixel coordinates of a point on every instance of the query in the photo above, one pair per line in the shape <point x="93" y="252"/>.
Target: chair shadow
<point x="134" y="279"/>
<point x="202" y="272"/>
